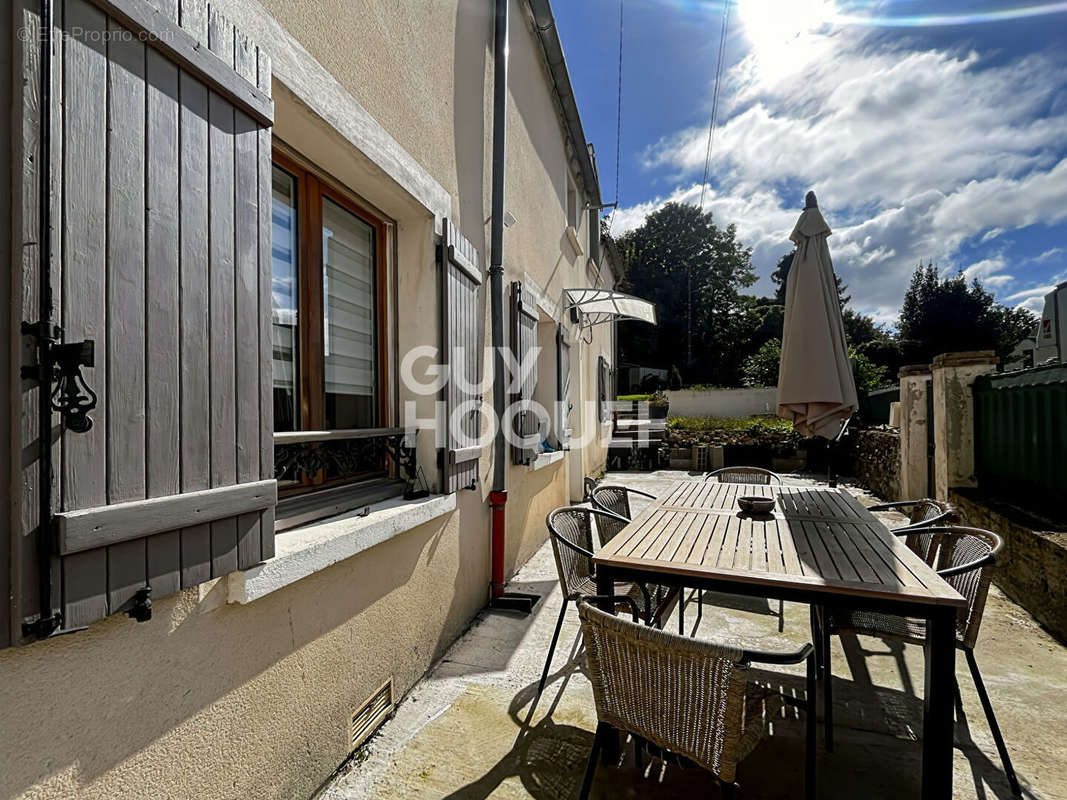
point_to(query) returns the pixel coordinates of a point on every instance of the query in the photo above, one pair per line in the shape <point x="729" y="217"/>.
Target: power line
<point x="618" y="124"/>
<point x="715" y="98"/>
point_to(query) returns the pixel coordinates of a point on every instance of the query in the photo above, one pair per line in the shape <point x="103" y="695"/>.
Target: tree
<point x="781" y="275"/>
<point x="948" y="315"/>
<point x="761" y="368"/>
<point x="869" y="376"/>
<point x="693" y="271"/>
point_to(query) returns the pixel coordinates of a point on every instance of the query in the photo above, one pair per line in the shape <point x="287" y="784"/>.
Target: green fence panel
<point x="1020" y="421"/>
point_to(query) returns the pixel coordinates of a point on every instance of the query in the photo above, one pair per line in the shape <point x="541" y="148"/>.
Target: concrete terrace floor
<point x="463" y="731"/>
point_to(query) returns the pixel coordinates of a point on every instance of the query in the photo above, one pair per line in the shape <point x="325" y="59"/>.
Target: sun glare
<point x="784" y="33"/>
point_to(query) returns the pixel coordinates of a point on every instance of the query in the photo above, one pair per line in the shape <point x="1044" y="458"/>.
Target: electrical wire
<point x="715" y="98"/>
<point x="618" y="124"/>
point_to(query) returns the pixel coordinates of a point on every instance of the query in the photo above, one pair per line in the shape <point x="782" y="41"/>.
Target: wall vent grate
<point x="373" y="712"/>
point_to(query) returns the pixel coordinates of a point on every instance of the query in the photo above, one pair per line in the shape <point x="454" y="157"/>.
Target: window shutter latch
<point x="61" y="363"/>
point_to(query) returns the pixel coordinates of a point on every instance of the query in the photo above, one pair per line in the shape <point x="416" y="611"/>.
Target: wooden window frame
<point x="311" y="187"/>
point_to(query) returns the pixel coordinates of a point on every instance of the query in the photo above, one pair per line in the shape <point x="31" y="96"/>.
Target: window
<point x="327" y="328"/>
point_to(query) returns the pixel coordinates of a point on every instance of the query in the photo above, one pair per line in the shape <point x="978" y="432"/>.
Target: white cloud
<point x="913" y="154"/>
<point x="1048" y="255"/>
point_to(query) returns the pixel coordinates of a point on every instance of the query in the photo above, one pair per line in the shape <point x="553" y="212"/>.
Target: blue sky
<point x="930" y="130"/>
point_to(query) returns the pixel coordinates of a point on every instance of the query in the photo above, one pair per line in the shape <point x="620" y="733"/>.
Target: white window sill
<point x="544" y="459"/>
<point x="304" y="551"/>
<point x="572" y="235"/>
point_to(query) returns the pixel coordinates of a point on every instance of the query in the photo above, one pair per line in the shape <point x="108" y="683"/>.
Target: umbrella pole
<point x="831" y="455"/>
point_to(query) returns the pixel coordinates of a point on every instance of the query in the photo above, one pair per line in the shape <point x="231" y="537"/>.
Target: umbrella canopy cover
<point x="816" y="389"/>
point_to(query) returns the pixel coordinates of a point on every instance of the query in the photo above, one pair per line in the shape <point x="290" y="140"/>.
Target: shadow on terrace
<point x="467" y="732"/>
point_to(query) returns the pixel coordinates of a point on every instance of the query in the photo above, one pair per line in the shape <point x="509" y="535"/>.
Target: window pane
<point x="350" y="326"/>
<point x="283" y="329"/>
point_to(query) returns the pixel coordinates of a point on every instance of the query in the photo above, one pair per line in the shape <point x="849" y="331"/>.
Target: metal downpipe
<point x="499" y="495"/>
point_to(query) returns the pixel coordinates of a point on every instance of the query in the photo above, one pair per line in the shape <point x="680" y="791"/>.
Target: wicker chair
<point x="688" y="697"/>
<point x="745" y="475"/>
<point x="922" y="514"/>
<point x="576" y="532"/>
<point x="616" y="500"/>
<point x="964" y="558"/>
<point x="588" y="485"/>
<point x="751" y="475"/>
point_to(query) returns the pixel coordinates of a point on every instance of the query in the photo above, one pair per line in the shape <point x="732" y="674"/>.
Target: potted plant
<point x="658" y="404"/>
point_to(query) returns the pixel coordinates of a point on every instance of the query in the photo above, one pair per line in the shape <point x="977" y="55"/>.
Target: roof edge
<point x="545" y="26"/>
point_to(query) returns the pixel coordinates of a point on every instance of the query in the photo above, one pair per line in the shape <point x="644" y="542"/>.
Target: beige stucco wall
<point x="217" y="700"/>
<point x="210" y="700"/>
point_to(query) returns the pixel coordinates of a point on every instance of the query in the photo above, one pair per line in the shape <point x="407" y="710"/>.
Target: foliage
<point x="674" y="378"/>
<point x="761" y="368"/>
<point x="753" y="424"/>
<point x="948" y="315"/>
<point x="652" y="383"/>
<point x="632" y="397"/>
<point x="658" y="399"/>
<point x="870" y="376"/>
<point x="680" y="253"/>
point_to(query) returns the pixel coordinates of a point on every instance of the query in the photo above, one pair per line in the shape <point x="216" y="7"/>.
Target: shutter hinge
<point x="61" y="363"/>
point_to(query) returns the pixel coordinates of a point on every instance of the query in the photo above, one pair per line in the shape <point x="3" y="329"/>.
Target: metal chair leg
<point x="994" y="728"/>
<point x="639" y="760"/>
<point x="781" y="616"/>
<point x="594" y="756"/>
<point x="816" y="636"/>
<point x="551" y="650"/>
<point x="681" y="611"/>
<point x="827" y="688"/>
<point x="809" y="733"/>
<point x="729" y="791"/>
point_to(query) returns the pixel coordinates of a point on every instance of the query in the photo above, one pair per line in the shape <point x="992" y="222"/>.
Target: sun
<point x="784" y="34"/>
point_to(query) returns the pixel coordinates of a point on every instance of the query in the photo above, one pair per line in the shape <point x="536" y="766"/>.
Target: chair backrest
<point x="744" y="475"/>
<point x="615" y="499"/>
<point x="965" y="560"/>
<point x="924" y="514"/>
<point x="589" y="484"/>
<point x="682" y="694"/>
<point x="577" y="533"/>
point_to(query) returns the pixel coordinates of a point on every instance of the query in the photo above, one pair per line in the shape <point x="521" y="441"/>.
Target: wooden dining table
<point x="818" y="546"/>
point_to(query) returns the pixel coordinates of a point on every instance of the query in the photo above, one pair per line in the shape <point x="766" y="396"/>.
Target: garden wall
<point x="875" y="461"/>
<point x="723" y="402"/>
<point x="1032" y="569"/>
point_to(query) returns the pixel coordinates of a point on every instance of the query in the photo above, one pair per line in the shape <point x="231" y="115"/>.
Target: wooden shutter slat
<point x="195" y="448"/>
<point x="107" y="524"/>
<point x="266" y="394"/>
<point x="162" y="478"/>
<point x="246" y="303"/>
<point x="84" y="577"/>
<point x="221" y="235"/>
<point x="125" y="315"/>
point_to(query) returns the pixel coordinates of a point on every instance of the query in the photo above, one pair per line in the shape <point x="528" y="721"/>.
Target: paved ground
<point x="463" y="731"/>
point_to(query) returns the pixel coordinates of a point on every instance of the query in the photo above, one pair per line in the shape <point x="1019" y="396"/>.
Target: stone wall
<point x="1032" y="570"/>
<point x="875" y="461"/>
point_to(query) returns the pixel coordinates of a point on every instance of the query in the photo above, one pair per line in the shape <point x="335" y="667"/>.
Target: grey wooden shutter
<point x="523" y="340"/>
<point x="563" y="387"/>
<point x="461" y="349"/>
<point x="161" y="170"/>
<point x="602" y="388"/>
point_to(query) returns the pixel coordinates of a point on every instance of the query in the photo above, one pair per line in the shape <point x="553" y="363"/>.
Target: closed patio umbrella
<point x="816" y="389"/>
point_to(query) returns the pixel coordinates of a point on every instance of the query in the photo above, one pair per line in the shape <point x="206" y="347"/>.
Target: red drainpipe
<point x="497" y="501"/>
